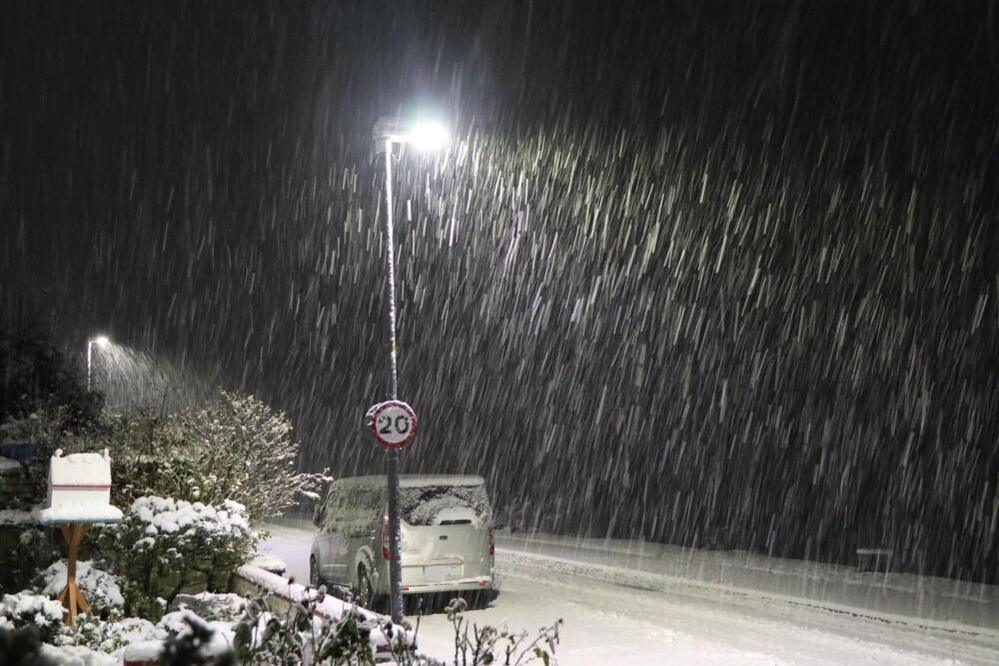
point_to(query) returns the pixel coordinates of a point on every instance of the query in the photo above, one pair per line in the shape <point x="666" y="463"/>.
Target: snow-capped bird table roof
<point x="79" y="490"/>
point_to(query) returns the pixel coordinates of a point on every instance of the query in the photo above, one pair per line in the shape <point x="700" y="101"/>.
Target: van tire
<point x="365" y="594"/>
<point x="315" y="580"/>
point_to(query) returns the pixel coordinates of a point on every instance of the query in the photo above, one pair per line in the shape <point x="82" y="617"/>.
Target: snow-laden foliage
<point x="163" y="546"/>
<point x="226" y="606"/>
<point x="237" y="448"/>
<point x="265" y="637"/>
<point x="25" y="608"/>
<point x="249" y="454"/>
<point x="99" y="587"/>
<point x="109" y="635"/>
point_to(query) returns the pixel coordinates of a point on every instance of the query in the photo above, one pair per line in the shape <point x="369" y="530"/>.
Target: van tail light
<point x="386" y="535"/>
<point x="492" y="542"/>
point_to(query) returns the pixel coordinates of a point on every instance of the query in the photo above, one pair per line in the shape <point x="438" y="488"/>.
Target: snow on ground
<point x="639" y="603"/>
<point x="292" y="544"/>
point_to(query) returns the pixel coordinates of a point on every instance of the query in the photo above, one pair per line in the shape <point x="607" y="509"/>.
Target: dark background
<point x="720" y="274"/>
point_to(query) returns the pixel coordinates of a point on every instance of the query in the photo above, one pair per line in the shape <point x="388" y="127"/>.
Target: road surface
<point x="652" y="604"/>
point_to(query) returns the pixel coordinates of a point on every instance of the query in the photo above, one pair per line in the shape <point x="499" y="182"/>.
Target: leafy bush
<point x="22" y="647"/>
<point x="26" y="609"/>
<point x="100" y="588"/>
<point x="165" y="546"/>
<point x="488" y="644"/>
<point x="24" y="549"/>
<point x="236" y="449"/>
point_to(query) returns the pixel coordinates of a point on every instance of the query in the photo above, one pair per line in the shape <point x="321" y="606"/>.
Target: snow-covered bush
<point x="165" y="546"/>
<point x="26" y="609"/>
<point x="194" y="640"/>
<point x="109" y="635"/>
<point x="99" y="587"/>
<point x="247" y="454"/>
<point x="235" y="449"/>
<point x="299" y="636"/>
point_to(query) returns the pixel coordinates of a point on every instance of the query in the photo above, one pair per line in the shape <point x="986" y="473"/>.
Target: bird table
<point x="79" y="496"/>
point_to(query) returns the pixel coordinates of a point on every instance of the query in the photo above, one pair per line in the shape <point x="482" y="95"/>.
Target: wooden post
<point x="71" y="597"/>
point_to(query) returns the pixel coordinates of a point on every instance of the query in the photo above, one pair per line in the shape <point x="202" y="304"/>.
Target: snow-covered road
<point x="624" y="603"/>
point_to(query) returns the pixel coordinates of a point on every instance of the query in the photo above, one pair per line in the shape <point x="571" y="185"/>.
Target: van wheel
<point x="314" y="578"/>
<point x="365" y="590"/>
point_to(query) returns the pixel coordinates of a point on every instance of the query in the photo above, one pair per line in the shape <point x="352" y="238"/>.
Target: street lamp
<point x="102" y="342"/>
<point x="423" y="136"/>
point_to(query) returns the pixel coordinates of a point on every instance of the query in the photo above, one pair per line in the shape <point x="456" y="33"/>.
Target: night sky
<point x="718" y="274"/>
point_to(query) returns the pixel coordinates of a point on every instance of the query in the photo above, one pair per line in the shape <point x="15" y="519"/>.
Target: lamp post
<point x="424" y="137"/>
<point x="102" y="342"/>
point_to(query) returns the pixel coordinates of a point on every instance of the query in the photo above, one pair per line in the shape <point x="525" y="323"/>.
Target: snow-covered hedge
<point x="164" y="546"/>
<point x="25" y="609"/>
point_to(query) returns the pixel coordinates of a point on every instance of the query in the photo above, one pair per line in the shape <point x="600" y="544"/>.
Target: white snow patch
<point x="269" y="562"/>
<point x="17" y="517"/>
<point x="40" y="608"/>
<point x="80" y="469"/>
<point x="80" y="513"/>
<point x="169" y="515"/>
<point x="76" y="655"/>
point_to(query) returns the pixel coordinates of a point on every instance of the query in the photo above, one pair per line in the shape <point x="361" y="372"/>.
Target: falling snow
<point x="715" y="278"/>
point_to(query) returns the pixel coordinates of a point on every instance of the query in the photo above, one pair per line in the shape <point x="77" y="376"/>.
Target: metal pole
<point x="392" y="455"/>
<point x="90" y="351"/>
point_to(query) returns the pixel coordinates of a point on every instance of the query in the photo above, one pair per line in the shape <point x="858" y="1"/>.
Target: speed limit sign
<point x="392" y="424"/>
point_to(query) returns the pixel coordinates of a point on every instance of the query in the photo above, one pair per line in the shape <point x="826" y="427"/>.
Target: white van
<point x="447" y="536"/>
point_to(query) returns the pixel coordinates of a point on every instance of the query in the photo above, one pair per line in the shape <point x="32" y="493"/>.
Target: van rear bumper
<point x="458" y="585"/>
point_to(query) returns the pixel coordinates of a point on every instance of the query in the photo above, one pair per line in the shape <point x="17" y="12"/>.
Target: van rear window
<point x="444" y="505"/>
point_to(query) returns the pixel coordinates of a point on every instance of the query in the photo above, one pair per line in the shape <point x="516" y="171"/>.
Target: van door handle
<point x="443" y="537"/>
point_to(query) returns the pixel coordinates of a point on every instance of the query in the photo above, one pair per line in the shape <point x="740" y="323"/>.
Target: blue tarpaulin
<point x="20" y="451"/>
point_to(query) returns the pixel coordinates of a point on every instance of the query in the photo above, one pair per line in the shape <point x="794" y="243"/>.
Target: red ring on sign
<point x="373" y="420"/>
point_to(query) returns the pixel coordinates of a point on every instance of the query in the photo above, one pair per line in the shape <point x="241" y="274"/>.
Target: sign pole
<point x="392" y="455"/>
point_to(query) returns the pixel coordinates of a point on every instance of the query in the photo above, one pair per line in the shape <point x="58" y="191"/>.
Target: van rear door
<point x="445" y="534"/>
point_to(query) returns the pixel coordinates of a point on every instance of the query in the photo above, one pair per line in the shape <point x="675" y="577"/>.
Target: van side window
<point x="358" y="510"/>
<point x="328" y="510"/>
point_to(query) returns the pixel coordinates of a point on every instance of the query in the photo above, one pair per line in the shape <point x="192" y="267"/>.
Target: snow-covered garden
<point x="166" y="564"/>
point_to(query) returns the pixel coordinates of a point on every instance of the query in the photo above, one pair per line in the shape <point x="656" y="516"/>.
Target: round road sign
<point x="392" y="424"/>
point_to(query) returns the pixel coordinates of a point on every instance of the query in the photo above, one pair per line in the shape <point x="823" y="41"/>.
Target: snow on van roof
<point x="416" y="480"/>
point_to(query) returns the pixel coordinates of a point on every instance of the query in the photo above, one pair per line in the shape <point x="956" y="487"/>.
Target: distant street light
<point x="424" y="137"/>
<point x="101" y="342"/>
